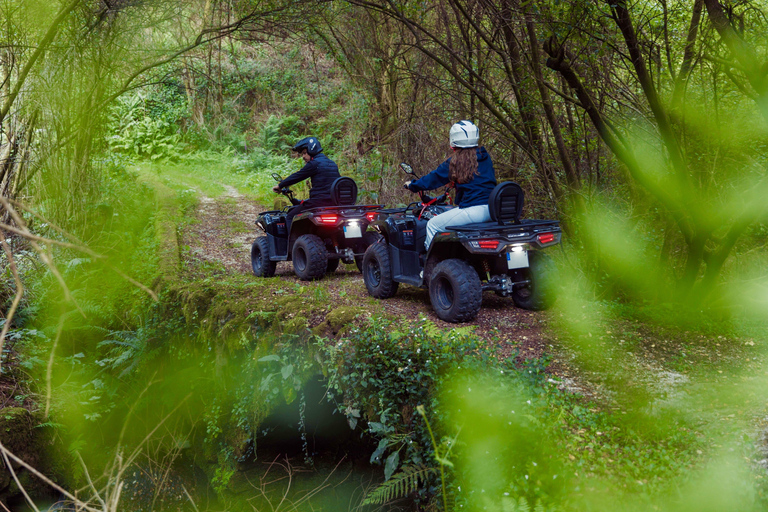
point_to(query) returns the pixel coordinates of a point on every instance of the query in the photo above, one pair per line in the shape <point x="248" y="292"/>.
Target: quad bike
<point x="319" y="237"/>
<point x="504" y="255"/>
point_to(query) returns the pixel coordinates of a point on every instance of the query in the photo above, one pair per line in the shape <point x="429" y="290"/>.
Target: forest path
<point x="223" y="231"/>
<point x="654" y="362"/>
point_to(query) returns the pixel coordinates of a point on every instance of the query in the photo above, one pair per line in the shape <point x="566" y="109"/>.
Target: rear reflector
<point x="546" y="238"/>
<point x="327" y="219"/>
<point x="370" y="216"/>
<point x="488" y="244"/>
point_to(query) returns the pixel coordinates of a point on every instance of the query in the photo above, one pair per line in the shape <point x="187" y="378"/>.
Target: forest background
<point x="641" y="126"/>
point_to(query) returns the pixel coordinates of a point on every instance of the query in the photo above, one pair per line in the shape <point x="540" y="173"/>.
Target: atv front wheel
<point x="262" y="265"/>
<point x="455" y="291"/>
<point x="369" y="238"/>
<point x="377" y="272"/>
<point x="538" y="294"/>
<point x="309" y="257"/>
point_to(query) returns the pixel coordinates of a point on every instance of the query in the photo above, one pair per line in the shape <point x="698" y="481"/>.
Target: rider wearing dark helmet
<point x="321" y="170"/>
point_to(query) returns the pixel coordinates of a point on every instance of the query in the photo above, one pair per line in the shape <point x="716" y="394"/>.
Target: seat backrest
<point x="506" y="203"/>
<point x="344" y="191"/>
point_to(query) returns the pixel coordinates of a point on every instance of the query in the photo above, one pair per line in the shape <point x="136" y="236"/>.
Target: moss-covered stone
<point x="20" y="434"/>
<point x="196" y="299"/>
<point x="338" y="320"/>
<point x="342" y="316"/>
<point x="296" y="325"/>
<point x="289" y="306"/>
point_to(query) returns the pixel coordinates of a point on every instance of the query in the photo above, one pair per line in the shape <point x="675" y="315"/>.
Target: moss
<point x="20" y="435"/>
<point x="238" y="439"/>
<point x="228" y="316"/>
<point x="338" y="320"/>
<point x="196" y="299"/>
<point x="297" y="325"/>
<point x="289" y="306"/>
<point x="226" y="309"/>
<point x="342" y="316"/>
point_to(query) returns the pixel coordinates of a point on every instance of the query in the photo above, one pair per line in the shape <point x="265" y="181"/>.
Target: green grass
<point x="210" y="174"/>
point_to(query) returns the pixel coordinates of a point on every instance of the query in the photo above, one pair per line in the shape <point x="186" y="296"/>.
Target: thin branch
<point x="6" y="453"/>
<point x="49" y="370"/>
<point x="78" y="247"/>
<point x="16" y="299"/>
<point x="18" y="483"/>
<point x="41" y="48"/>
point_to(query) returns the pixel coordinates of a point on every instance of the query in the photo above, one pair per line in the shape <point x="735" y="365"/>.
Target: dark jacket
<point x="322" y="171"/>
<point x="474" y="193"/>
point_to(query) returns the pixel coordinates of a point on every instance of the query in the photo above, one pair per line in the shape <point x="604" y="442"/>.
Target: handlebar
<point x="287" y="192"/>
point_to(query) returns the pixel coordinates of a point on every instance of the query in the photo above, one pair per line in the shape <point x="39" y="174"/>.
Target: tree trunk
<point x="572" y="178"/>
<point x="688" y="54"/>
<point x="524" y="105"/>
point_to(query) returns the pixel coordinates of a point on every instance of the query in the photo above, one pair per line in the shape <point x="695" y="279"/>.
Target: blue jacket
<point x="473" y="193"/>
<point x="322" y="171"/>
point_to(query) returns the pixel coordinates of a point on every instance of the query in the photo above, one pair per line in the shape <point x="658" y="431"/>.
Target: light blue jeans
<point x="456" y="217"/>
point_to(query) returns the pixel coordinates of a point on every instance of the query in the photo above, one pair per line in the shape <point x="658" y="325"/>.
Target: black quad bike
<point x="319" y="237"/>
<point x="503" y="255"/>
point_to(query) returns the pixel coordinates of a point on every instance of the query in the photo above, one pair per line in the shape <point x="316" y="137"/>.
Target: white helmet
<point x="464" y="134"/>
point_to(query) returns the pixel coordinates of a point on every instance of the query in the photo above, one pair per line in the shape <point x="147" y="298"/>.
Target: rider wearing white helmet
<point x="471" y="170"/>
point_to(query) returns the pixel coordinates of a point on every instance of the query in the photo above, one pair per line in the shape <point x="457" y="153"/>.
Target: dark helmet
<point x="311" y="144"/>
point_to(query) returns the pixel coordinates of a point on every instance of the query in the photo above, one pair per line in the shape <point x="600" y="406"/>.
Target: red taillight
<point x="546" y="238"/>
<point x="327" y="219"/>
<point x="488" y="244"/>
<point x="370" y="216"/>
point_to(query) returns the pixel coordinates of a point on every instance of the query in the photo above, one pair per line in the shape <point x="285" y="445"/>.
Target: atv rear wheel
<point x="377" y="272"/>
<point x="309" y="257"/>
<point x="369" y="238"/>
<point x="260" y="262"/>
<point x="538" y="294"/>
<point x="333" y="264"/>
<point x="455" y="291"/>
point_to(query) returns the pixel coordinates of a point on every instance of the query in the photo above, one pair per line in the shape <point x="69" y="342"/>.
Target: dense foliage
<point x="640" y="126"/>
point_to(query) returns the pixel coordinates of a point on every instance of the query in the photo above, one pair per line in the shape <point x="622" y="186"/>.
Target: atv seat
<point x="505" y="203"/>
<point x="344" y="191"/>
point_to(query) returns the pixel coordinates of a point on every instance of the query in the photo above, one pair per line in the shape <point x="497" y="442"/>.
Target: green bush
<point x="137" y="130"/>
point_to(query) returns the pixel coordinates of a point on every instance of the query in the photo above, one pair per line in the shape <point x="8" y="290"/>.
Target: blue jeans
<point x="456" y="217"/>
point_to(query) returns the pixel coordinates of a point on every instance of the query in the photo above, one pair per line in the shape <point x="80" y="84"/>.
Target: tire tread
<point x="268" y="267"/>
<point x="468" y="292"/>
<point x="387" y="285"/>
<point x="317" y="257"/>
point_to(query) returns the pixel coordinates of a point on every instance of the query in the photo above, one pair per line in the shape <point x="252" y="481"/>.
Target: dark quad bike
<point x="503" y="255"/>
<point x="319" y="237"/>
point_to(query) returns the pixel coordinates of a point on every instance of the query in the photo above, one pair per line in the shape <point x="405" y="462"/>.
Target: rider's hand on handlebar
<point x="276" y="189"/>
<point x="407" y="184"/>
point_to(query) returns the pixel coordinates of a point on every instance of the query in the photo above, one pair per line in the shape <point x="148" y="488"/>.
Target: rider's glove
<point x="407" y="185"/>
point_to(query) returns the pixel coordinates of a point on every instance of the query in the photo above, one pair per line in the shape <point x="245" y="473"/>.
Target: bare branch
<point x="16" y="299"/>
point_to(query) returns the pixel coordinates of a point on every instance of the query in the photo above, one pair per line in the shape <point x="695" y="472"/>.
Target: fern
<point x="521" y="504"/>
<point x="513" y="505"/>
<point x="125" y="350"/>
<point x="399" y="486"/>
<point x="436" y="332"/>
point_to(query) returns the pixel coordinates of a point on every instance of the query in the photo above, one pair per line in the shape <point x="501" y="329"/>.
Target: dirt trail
<point x="224" y="230"/>
<point x="647" y="359"/>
